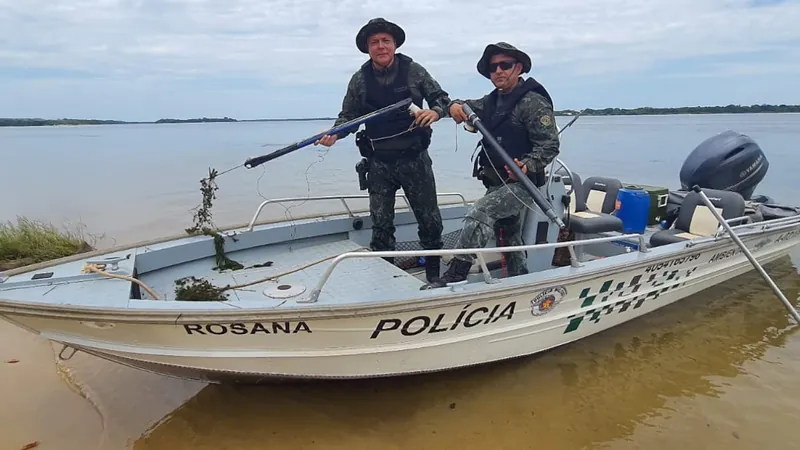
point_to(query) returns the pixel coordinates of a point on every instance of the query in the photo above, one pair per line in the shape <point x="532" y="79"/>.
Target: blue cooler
<point x="633" y="208"/>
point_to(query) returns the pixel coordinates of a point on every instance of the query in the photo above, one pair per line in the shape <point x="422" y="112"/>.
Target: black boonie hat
<point x="379" y="25"/>
<point x="506" y="49"/>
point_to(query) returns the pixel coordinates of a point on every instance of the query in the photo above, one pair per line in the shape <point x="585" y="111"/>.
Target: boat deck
<point x="298" y="267"/>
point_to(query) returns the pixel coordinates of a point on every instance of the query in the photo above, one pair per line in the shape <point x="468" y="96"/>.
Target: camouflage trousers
<point x="497" y="209"/>
<point x="415" y="176"/>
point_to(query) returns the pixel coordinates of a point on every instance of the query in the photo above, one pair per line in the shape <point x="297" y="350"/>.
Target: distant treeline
<point x="648" y="111"/>
<point x="203" y="120"/>
<point x="644" y="111"/>
<point x="6" y="122"/>
<point x="26" y="122"/>
<point x="47" y="122"/>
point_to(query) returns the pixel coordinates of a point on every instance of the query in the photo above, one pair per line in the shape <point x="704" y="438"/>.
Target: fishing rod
<point x="538" y="198"/>
<point x="347" y="126"/>
<point x="569" y="124"/>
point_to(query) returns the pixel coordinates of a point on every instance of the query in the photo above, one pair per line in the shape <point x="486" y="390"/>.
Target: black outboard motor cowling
<point x="729" y="161"/>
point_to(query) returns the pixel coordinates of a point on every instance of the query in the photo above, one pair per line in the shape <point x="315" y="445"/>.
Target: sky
<point x="150" y="59"/>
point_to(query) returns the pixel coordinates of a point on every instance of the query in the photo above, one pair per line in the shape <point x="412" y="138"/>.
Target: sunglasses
<point x="505" y="65"/>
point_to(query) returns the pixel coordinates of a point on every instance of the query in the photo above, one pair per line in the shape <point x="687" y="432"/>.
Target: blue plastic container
<point x="633" y="209"/>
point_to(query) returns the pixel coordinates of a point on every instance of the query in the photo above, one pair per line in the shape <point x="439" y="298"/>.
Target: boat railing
<point x="747" y="229"/>
<point x="341" y="197"/>
<point x="478" y="252"/>
<point x="761" y="226"/>
<point x="731" y="221"/>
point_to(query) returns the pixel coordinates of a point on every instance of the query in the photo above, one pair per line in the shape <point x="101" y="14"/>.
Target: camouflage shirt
<point x="534" y="113"/>
<point x="421" y="83"/>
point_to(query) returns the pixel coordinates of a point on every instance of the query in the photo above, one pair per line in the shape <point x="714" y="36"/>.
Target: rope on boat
<point x="96" y="268"/>
<point x="278" y="275"/>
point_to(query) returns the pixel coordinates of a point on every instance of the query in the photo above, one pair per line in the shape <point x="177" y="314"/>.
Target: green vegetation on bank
<point x="30" y="242"/>
<point x="643" y="111"/>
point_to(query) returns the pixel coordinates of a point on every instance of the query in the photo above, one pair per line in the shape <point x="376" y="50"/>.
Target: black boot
<point x="516" y="269"/>
<point x="457" y="271"/>
<point x="432" y="267"/>
<point x="513" y="272"/>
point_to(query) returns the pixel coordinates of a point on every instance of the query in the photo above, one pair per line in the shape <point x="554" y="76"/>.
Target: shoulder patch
<point x="545" y="120"/>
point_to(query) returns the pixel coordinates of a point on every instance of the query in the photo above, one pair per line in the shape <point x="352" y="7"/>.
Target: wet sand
<point x="718" y="370"/>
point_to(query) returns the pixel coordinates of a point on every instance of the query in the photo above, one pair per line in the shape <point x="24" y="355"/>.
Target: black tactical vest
<point x="512" y="137"/>
<point x="379" y="96"/>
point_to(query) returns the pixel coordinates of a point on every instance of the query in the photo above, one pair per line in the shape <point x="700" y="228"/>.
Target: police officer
<point x="519" y="114"/>
<point x="395" y="146"/>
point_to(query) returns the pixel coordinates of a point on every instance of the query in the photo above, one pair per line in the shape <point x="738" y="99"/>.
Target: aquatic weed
<point x="204" y="225"/>
<point x="194" y="289"/>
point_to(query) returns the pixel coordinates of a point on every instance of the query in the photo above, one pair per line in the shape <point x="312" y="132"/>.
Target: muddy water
<point x="718" y="370"/>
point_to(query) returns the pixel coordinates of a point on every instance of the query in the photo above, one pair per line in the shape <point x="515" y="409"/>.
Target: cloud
<point x="288" y="46"/>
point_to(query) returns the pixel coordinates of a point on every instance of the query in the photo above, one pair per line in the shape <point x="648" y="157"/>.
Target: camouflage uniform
<point x="529" y="124"/>
<point x="401" y="161"/>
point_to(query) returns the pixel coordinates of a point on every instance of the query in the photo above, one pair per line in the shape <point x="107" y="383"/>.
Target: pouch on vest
<point x="363" y="144"/>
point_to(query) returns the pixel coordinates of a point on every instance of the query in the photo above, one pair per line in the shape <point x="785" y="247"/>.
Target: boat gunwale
<point x="239" y="228"/>
<point x="321" y="311"/>
<point x="95" y="343"/>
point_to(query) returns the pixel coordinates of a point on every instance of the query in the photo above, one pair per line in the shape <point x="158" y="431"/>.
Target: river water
<point x="718" y="370"/>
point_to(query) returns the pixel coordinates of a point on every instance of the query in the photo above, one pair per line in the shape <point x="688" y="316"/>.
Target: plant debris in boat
<point x="203" y="290"/>
<point x="223" y="262"/>
<point x="203" y="224"/>
<point x="256" y="266"/>
<point x="194" y="289"/>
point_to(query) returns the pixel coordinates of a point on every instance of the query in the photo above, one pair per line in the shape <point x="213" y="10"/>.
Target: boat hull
<point x="371" y="341"/>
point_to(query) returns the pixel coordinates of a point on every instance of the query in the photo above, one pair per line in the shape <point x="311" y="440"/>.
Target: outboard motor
<point x="729" y="161"/>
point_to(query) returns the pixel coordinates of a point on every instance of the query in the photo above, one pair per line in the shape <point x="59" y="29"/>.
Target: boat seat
<point x="593" y="200"/>
<point x="696" y="220"/>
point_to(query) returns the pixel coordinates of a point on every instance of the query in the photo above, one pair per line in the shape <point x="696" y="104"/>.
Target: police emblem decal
<point x="547" y="299"/>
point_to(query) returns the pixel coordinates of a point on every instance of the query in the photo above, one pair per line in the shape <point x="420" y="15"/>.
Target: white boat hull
<point x="426" y="335"/>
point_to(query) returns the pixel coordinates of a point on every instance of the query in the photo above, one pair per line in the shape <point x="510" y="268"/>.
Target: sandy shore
<point x="45" y="401"/>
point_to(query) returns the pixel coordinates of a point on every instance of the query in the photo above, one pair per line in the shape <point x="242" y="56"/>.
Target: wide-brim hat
<point x="379" y="25"/>
<point x="506" y="49"/>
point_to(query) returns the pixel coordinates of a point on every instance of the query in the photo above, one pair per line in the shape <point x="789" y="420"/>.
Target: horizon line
<point x="653" y="110"/>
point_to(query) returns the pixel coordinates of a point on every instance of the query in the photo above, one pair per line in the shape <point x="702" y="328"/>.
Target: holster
<point x="362" y="168"/>
<point x="488" y="178"/>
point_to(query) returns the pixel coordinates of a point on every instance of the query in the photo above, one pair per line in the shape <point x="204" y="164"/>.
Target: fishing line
<point x="320" y="158"/>
<point x="203" y="225"/>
